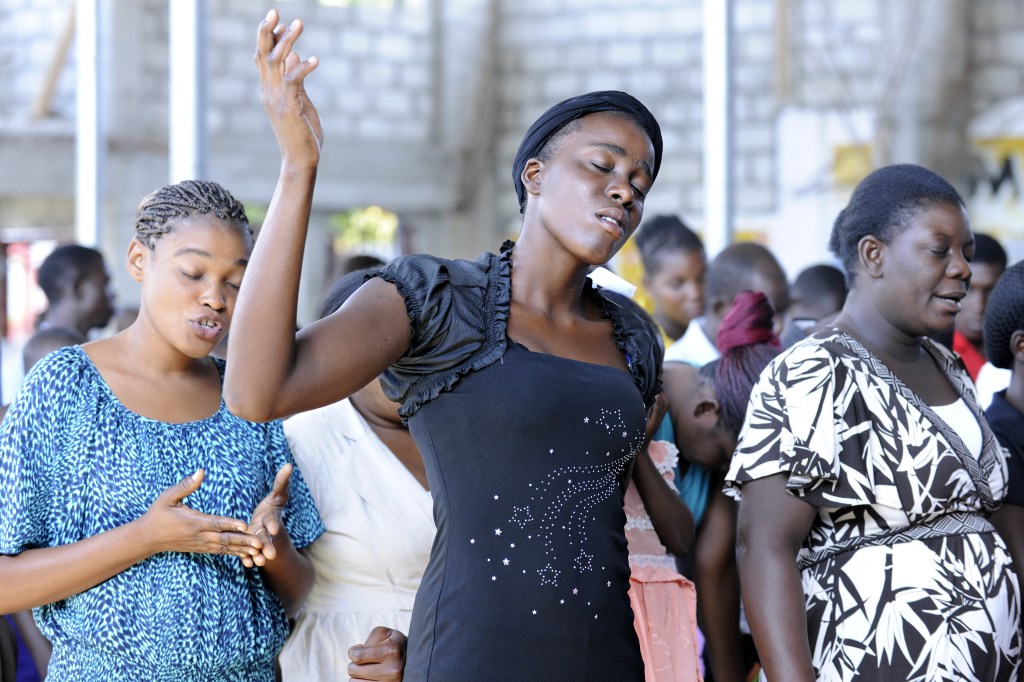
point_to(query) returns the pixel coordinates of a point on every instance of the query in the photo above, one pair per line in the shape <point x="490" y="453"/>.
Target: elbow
<point x="680" y="543"/>
<point x="245" y="405"/>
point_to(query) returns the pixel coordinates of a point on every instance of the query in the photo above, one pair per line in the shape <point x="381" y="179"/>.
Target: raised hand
<point x="381" y="658"/>
<point x="295" y="120"/>
<point x="173" y="527"/>
<point x="265" y="524"/>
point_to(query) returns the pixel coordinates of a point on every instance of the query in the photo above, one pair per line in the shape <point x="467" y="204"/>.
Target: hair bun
<point x="748" y="322"/>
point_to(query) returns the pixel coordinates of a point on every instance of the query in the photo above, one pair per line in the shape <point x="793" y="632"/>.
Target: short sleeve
<point x="789" y="426"/>
<point x="457" y="314"/>
<point x="301" y="518"/>
<point x="31" y="437"/>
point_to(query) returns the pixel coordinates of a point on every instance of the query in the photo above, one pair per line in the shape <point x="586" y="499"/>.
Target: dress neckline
<point x="109" y="392"/>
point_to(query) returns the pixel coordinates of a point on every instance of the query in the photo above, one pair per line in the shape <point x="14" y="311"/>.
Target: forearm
<point x="262" y="341"/>
<point x="718" y="589"/>
<point x="774" y="602"/>
<point x="290" y="575"/>
<point x="45" y="575"/>
<point x="669" y="515"/>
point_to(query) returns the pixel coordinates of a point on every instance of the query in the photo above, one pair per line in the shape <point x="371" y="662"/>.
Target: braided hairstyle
<point x="160" y="208"/>
<point x="1004" y="315"/>
<point x="883" y="204"/>
<point x="665" y="234"/>
<point x="747" y="344"/>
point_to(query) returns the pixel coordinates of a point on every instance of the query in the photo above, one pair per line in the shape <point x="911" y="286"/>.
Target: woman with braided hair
<point x="867" y="471"/>
<point x="155" y="534"/>
<point x="526" y="388"/>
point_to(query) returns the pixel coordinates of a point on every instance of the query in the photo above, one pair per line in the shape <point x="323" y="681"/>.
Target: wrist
<point x="297" y="170"/>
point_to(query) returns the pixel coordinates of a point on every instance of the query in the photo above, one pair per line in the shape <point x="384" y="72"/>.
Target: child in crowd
<point x="816" y="296"/>
<point x="1004" y="347"/>
<point x="674" y="268"/>
<point x="741" y="266"/>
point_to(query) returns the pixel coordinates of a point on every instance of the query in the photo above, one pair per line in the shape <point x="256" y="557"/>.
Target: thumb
<point x="280" y="488"/>
<point x="378" y="635"/>
<point x="183" y="488"/>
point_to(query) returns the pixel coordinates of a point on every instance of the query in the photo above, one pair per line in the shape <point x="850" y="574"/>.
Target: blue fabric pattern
<point x="75" y="462"/>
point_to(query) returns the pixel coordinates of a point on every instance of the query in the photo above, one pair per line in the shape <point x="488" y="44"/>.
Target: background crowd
<point x="758" y="471"/>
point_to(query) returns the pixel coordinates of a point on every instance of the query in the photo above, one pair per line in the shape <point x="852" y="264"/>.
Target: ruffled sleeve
<point x="637" y="337"/>
<point x="457" y="311"/>
<point x="31" y="435"/>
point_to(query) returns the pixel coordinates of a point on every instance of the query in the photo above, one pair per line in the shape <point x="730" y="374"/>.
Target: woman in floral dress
<point x="867" y="469"/>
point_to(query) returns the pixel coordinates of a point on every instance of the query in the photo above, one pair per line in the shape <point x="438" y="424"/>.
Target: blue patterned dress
<point x="75" y="462"/>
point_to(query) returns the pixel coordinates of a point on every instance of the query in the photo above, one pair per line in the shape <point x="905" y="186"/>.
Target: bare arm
<point x="670" y="516"/>
<point x="271" y="372"/>
<point x="42" y="576"/>
<point x="718" y="588"/>
<point x="772" y="526"/>
<point x="1009" y="521"/>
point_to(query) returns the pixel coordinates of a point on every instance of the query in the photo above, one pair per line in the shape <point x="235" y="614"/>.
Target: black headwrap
<point x="1004" y="314"/>
<point x="575" y="107"/>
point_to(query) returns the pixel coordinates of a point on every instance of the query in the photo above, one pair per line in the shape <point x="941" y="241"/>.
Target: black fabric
<point x="1008" y="426"/>
<point x="528" y="576"/>
<point x="1004" y="314"/>
<point x="458" y="313"/>
<point x="552" y="120"/>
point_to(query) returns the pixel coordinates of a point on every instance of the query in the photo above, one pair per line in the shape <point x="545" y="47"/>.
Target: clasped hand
<point x="173" y="527"/>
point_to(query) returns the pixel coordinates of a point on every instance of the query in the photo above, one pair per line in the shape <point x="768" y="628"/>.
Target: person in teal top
<point x="154" y="533"/>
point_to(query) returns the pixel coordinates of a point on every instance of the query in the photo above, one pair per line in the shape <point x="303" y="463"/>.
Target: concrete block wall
<point x="30" y="32"/>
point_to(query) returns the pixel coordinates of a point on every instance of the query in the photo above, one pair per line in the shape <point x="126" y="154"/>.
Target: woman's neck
<point x="547" y="280"/>
<point x="863" y="320"/>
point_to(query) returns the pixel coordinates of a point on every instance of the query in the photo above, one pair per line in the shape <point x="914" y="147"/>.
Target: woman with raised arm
<point x="867" y="469"/>
<point x="154" y="532"/>
<point x="525" y="387"/>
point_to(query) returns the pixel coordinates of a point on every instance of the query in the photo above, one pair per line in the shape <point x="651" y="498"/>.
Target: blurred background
<point x="772" y="110"/>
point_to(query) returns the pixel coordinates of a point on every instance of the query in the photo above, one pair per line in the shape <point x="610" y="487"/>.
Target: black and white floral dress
<point x="903" y="576"/>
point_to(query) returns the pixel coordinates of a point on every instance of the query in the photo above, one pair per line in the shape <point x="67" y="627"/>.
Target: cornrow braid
<point x="185" y="199"/>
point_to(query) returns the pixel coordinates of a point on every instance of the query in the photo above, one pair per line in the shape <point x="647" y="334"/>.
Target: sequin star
<point x="513" y="545"/>
<point x="584" y="562"/>
<point x="624" y="434"/>
<point x="495" y="497"/>
<point x="472" y="541"/>
<point x="609" y="582"/>
<point x="551" y="451"/>
<point x="561" y="601"/>
<point x="586" y="420"/>
<point x="497" y="531"/>
<point x="535" y="612"/>
<point x="505" y="561"/>
<point x="548" y="575"/>
<point x="575" y="591"/>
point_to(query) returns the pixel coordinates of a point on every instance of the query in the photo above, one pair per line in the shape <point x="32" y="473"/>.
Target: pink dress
<point x="664" y="602"/>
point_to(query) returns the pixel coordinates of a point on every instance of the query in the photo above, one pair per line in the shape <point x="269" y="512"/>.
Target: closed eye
<point x="601" y="168"/>
<point x="191" y="276"/>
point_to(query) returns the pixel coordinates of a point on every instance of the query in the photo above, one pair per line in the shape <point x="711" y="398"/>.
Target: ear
<point x="707" y="408"/>
<point x="719" y="307"/>
<point x="531" y="176"/>
<point x="138" y="256"/>
<point x="1017" y="345"/>
<point x="871" y="250"/>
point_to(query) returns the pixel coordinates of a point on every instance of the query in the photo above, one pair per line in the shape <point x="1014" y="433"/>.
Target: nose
<point x="960" y="267"/>
<point x="213" y="298"/>
<point x="621" y="191"/>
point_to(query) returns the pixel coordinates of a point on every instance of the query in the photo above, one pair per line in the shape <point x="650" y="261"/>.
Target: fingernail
<point x="270" y="13"/>
<point x="195" y="476"/>
<point x="294" y="25"/>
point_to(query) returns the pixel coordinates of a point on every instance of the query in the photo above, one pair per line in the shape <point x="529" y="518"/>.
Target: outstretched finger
<point x="281" y="480"/>
<point x="265" y="40"/>
<point x="285" y="40"/>
<point x="225" y="524"/>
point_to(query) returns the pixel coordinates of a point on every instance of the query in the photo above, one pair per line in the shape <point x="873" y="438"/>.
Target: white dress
<point x="379" y="532"/>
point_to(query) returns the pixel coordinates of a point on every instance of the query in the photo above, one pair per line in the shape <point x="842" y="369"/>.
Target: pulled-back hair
<point x="342" y="289"/>
<point x="1004" y="315"/>
<point x="665" y="234"/>
<point x="184" y="199"/>
<point x="66" y="266"/>
<point x="747" y="343"/>
<point x="883" y="205"/>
